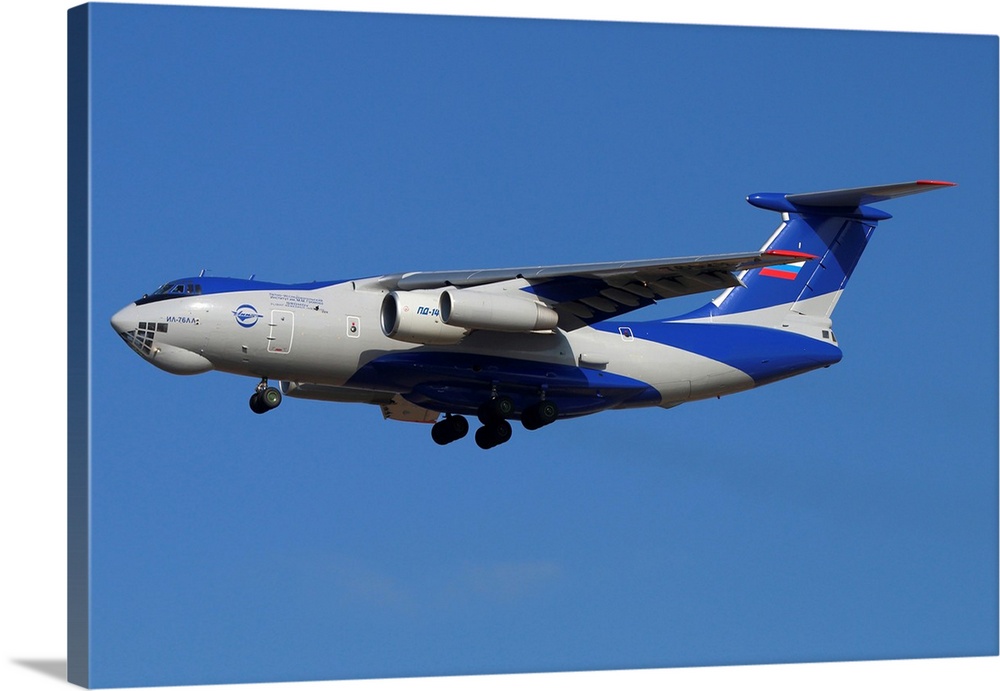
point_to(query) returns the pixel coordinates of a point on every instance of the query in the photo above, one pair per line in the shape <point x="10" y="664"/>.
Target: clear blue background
<point x="847" y="514"/>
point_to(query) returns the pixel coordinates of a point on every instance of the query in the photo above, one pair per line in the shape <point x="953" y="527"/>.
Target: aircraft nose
<point x="124" y="320"/>
<point x="149" y="340"/>
<point x="137" y="334"/>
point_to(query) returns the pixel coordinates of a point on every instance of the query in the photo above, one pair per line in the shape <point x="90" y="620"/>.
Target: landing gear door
<point x="279" y="339"/>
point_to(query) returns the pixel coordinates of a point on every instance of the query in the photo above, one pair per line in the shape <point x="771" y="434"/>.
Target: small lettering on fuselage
<point x="429" y="311"/>
<point x="293" y="301"/>
<point x="183" y="320"/>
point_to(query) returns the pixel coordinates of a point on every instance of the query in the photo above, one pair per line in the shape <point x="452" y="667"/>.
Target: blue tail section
<point x="809" y="287"/>
<point x="834" y="227"/>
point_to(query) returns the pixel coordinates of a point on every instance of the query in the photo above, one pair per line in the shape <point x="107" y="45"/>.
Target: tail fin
<point x="834" y="226"/>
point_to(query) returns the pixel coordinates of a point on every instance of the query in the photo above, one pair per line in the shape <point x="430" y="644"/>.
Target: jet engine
<point x="474" y="309"/>
<point x="414" y="316"/>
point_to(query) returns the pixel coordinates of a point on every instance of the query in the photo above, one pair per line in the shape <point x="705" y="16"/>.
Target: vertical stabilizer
<point x="834" y="226"/>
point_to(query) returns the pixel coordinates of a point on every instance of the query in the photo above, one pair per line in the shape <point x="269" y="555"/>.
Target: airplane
<point x="535" y="344"/>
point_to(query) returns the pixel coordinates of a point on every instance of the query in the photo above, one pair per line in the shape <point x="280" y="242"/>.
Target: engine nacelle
<point x="475" y="309"/>
<point x="415" y="317"/>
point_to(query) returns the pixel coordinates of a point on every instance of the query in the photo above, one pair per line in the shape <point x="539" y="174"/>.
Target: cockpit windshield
<point x="178" y="289"/>
<point x="173" y="289"/>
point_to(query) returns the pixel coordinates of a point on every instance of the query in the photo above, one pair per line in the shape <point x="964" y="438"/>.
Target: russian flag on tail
<point x="787" y="271"/>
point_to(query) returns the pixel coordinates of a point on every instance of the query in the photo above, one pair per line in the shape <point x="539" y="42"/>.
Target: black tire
<point x="541" y="414"/>
<point x="452" y="428"/>
<point x="441" y="432"/>
<point x="493" y="434"/>
<point x="459" y="426"/>
<point x="484" y="438"/>
<point x="529" y="418"/>
<point x="270" y="398"/>
<point x="547" y="412"/>
<point x="498" y="408"/>
<point x="501" y="431"/>
<point x="255" y="404"/>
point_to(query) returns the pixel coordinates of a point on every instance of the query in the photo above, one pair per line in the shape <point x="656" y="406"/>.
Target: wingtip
<point x="937" y="183"/>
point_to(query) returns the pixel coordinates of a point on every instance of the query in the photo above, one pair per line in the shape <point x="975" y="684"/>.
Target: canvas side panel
<point x="78" y="349"/>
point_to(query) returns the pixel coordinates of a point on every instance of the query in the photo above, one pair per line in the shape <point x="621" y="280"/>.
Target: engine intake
<point x="415" y="317"/>
<point x="474" y="309"/>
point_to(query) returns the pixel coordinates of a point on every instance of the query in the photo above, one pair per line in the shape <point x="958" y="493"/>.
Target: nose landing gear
<point x="265" y="398"/>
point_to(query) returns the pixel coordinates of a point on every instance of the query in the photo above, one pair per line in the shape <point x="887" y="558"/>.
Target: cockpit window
<point x="179" y="289"/>
<point x="171" y="290"/>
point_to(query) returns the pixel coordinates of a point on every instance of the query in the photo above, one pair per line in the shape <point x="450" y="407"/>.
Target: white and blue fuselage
<point x="532" y="344"/>
<point x="331" y="336"/>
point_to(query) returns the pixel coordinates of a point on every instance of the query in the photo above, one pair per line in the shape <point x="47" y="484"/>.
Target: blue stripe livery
<point x="764" y="354"/>
<point x="460" y="382"/>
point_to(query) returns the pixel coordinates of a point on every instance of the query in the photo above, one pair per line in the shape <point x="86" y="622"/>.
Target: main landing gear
<point x="538" y="415"/>
<point x="494" y="415"/>
<point x="495" y="430"/>
<point x="452" y="428"/>
<point x="265" y="398"/>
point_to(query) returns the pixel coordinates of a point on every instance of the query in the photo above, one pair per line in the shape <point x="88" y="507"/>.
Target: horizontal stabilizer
<point x="857" y="196"/>
<point x="849" y="203"/>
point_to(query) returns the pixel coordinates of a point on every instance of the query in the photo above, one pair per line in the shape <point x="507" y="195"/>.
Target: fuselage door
<point x="279" y="339"/>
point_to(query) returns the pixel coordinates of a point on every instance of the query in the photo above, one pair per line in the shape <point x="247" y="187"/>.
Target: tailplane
<point x="835" y="228"/>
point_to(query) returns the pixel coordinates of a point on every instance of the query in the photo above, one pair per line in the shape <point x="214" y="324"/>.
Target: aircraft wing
<point x="588" y="293"/>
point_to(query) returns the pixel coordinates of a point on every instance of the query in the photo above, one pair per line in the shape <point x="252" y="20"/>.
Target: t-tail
<point x="833" y="227"/>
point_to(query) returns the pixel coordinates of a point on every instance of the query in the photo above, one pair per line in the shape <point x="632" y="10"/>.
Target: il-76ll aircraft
<point x="535" y="344"/>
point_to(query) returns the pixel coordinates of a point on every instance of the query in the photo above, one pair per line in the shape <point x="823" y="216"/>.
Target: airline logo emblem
<point x="246" y="315"/>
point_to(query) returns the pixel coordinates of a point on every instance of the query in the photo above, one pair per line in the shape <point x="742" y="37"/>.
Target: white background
<point x="33" y="405"/>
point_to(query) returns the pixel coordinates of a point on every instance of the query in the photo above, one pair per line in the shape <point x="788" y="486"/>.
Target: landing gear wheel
<point x="493" y="434"/>
<point x="452" y="428"/>
<point x="265" y="398"/>
<point x="541" y="414"/>
<point x="497" y="408"/>
<point x="270" y="398"/>
<point x="255" y="404"/>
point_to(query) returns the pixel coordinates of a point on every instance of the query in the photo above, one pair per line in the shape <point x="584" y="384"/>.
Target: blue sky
<point x="846" y="514"/>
